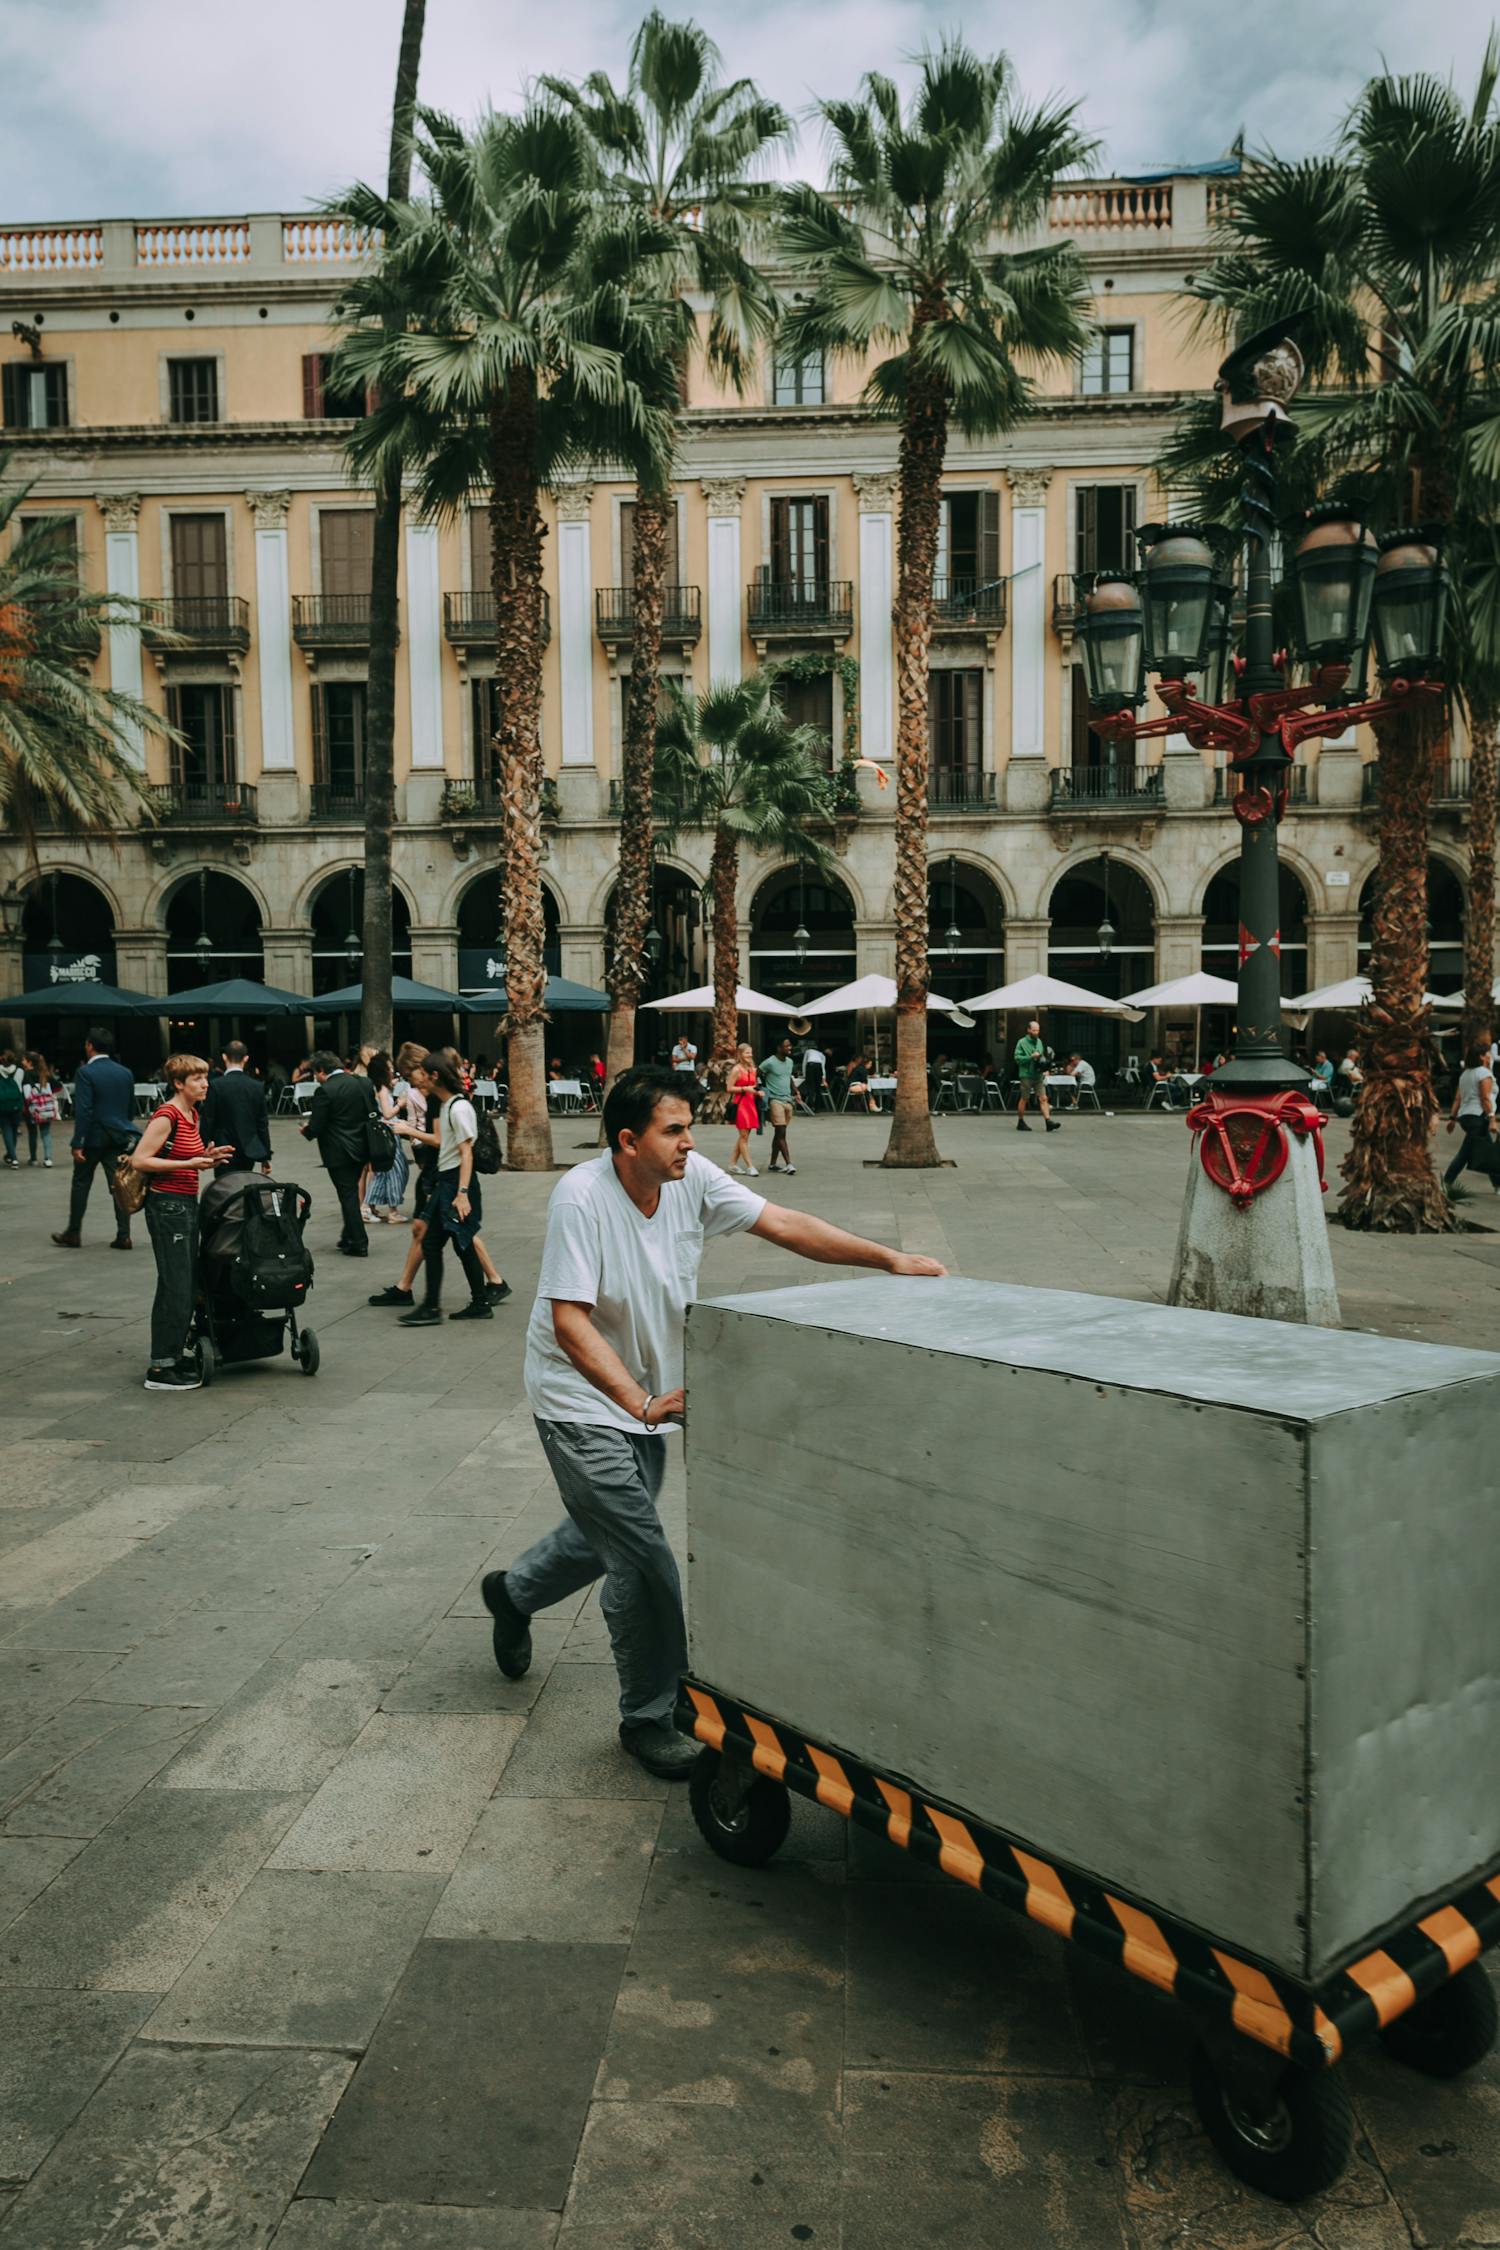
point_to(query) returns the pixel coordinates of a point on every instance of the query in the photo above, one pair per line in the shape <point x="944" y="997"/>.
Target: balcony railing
<point x="1230" y="780"/>
<point x="960" y="789"/>
<point x="1105" y="788"/>
<point x="331" y="620"/>
<point x="337" y="800"/>
<point x="208" y="802"/>
<point x="681" y="617"/>
<point x="197" y="621"/>
<point x="821" y="607"/>
<point x="968" y="605"/>
<point x="1450" y="783"/>
<point x="469" y="620"/>
<point x="1119" y="206"/>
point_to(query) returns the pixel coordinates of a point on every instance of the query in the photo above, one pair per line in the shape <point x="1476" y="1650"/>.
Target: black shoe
<point x="477" y="1308"/>
<point x="355" y="1249"/>
<point x="497" y="1291"/>
<point x="393" y="1296"/>
<point x="423" y="1316"/>
<point x="173" y="1379"/>
<point x="512" y="1639"/>
<point x="1053" y="1126"/>
<point x="121" y="1242"/>
<point x="660" y="1749"/>
<point x="68" y="1240"/>
<point x="1022" y="1126"/>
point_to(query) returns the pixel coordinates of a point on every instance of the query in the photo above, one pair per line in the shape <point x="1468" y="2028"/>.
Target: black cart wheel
<point x="745" y="1824"/>
<point x="208" y="1361"/>
<point x="308" y="1354"/>
<point x="1289" y="2144"/>
<point x="1449" y="2031"/>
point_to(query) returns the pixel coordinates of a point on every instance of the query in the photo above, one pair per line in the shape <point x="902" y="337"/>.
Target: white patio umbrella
<point x="1198" y="991"/>
<point x="701" y="999"/>
<point x="1348" y="997"/>
<point x="869" y="992"/>
<point x="1038" y="992"/>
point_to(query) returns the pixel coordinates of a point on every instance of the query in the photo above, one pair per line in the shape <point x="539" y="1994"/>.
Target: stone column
<point x="424" y="643"/>
<point x="1179" y="947"/>
<point x="725" y="578"/>
<point x="287" y="958"/>
<point x="877" y="589"/>
<point x="575" y="624"/>
<point x="581" y="945"/>
<point x="1332" y="948"/>
<point x="122" y="575"/>
<point x="1028" y="611"/>
<point x="273" y="631"/>
<point x="875" y="949"/>
<point x="1026" y="948"/>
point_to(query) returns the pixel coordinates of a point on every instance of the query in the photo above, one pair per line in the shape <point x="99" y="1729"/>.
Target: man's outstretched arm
<point x="826" y="1245"/>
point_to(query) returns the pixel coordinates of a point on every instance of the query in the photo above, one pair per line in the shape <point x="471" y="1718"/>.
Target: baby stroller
<point x="254" y="1272"/>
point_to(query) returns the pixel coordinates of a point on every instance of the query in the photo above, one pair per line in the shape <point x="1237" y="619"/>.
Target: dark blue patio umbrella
<point x="564" y="998"/>
<point x="405" y="993"/>
<point x="98" y="1000"/>
<point x="241" y="996"/>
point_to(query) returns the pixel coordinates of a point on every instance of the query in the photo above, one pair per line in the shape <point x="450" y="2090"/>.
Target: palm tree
<point x="500" y="334"/>
<point x="380" y="719"/>
<point x="68" y="749"/>
<point x="728" y="761"/>
<point x="1388" y="247"/>
<point x="904" y="256"/>
<point x="679" y="146"/>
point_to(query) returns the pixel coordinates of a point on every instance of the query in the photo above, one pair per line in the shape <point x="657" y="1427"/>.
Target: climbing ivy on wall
<point x="812" y="666"/>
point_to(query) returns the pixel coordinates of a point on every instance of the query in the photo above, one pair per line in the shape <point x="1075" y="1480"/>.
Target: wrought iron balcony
<point x="968" y="605"/>
<point x="197" y="621"/>
<point x="481" y="798"/>
<point x="331" y="620"/>
<point x="1105" y="789"/>
<point x="960" y="789"/>
<point x="469" y="620"/>
<point x="206" y="803"/>
<point x="337" y="800"/>
<point x="821" y="609"/>
<point x="1450" y="783"/>
<point x="681" y="619"/>
<point x="1230" y="780"/>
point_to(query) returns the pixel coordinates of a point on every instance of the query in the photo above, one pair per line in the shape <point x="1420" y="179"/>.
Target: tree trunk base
<point x="528" y="1128"/>
<point x="912" y="1146"/>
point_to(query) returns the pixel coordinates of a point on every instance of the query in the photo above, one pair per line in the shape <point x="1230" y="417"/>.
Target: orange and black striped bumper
<point x="1309" y="2025"/>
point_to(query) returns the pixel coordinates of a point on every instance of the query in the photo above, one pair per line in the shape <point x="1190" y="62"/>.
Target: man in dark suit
<point x="336" y="1119"/>
<point x="235" y="1114"/>
<point x="103" y="1124"/>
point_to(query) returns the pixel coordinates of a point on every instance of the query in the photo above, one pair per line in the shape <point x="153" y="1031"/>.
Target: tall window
<point x="799" y="543"/>
<point x="627" y="544"/>
<point x="345" y="549"/>
<point x="798" y="382"/>
<point x="809" y="703"/>
<point x="325" y="400"/>
<point x="339" y="738"/>
<point x="969" y="540"/>
<point x="955" y="711"/>
<point x="35" y="395"/>
<point x="192" y="390"/>
<point x="1107" y="364"/>
<point x="205" y="760"/>
<point x="484" y="715"/>
<point x="1105" y="536"/>
<point x="200" y="559"/>
<point x="60" y="534"/>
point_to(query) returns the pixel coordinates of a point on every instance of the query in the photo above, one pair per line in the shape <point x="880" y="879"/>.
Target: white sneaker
<point x="751" y="1173"/>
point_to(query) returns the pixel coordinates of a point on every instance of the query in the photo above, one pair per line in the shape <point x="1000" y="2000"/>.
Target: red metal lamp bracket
<point x="1313" y="723"/>
<point x="1243" y="1144"/>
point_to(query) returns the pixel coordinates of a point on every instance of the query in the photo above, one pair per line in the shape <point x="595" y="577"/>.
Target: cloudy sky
<point x="159" y="108"/>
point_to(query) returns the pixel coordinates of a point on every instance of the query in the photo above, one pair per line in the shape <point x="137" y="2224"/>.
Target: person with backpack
<point x="455" y="1207"/>
<point x="383" y="1197"/>
<point x="424" y="1145"/>
<point x="171" y="1152"/>
<point x="12" y="1104"/>
<point x="40" y="1097"/>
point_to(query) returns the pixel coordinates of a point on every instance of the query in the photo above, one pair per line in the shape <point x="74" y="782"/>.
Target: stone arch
<point x="210" y="902"/>
<point x="681" y="924"/>
<point x="75" y="871"/>
<point x="334" y="910"/>
<point x="1447" y="901"/>
<point x="830" y="910"/>
<point x="315" y="884"/>
<point x="758" y="874"/>
<point x="1133" y="860"/>
<point x="476" y="909"/>
<point x="176" y="880"/>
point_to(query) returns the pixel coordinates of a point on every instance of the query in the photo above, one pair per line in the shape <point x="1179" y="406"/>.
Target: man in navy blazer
<point x="103" y="1124"/>
<point x="234" y="1114"/>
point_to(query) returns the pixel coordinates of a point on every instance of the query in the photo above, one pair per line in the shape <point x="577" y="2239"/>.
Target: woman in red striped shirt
<point x="172" y="1153"/>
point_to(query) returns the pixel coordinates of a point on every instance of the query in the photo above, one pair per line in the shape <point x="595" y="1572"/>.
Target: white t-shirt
<point x="1470" y="1098"/>
<point x="684" y="1055"/>
<point x="1083" y="1072"/>
<point x="639" y="1274"/>
<point x="459" y="1124"/>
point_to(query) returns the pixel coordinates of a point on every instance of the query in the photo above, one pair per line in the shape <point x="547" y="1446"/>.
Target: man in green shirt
<point x="776" y="1077"/>
<point x="1031" y="1069"/>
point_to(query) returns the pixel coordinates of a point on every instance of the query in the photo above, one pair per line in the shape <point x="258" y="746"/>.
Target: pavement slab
<point x="201" y="1658"/>
<point x="300" y="1960"/>
<point x="83" y="1792"/>
<point x="405" y="1797"/>
<point x="475" y="2087"/>
<point x="571" y="1744"/>
<point x="182" y="2150"/>
<point x="736" y="2175"/>
<point x="287" y="1728"/>
<point x="552" y="1868"/>
<point x="55" y="2047"/>
<point x="36" y="1683"/>
<point x="27" y="1865"/>
<point x="454" y="1670"/>
<point x="323" y="2225"/>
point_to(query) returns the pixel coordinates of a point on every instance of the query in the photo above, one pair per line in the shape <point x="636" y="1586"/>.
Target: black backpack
<point x="273" y="1266"/>
<point x="487" y="1157"/>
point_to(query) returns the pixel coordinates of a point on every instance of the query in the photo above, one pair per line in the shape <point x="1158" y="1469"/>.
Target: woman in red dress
<point x="743" y="1109"/>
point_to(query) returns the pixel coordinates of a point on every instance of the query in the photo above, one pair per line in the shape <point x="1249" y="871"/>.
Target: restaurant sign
<point x="41" y="969"/>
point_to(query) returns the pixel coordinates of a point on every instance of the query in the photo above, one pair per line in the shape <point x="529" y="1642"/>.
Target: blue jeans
<point x="9" y="1120"/>
<point x="172" y="1223"/>
<point x="609" y="1480"/>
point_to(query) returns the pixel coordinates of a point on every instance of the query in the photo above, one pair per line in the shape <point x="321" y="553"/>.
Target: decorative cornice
<point x="574" y="502"/>
<point x="120" y="510"/>
<point x="877" y="493"/>
<point x="723" y="494"/>
<point x="269" y="509"/>
<point x="1029" y="486"/>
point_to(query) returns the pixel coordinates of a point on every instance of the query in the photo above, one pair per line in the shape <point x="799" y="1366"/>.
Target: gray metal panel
<point x="1074" y="1610"/>
<point x="1266" y="1366"/>
<point x="1405" y="1660"/>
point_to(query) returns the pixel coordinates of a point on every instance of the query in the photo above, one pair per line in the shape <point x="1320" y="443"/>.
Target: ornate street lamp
<point x="1112" y="637"/>
<point x="1178" y="585"/>
<point x="1334" y="563"/>
<point x="202" y="943"/>
<point x="352" y="947"/>
<point x="1104" y="936"/>
<point x="802" y="935"/>
<point x="953" y="935"/>
<point x="1411" y="604"/>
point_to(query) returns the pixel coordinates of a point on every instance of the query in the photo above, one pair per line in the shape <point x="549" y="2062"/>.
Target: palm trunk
<point x="1479" y="922"/>
<point x="518" y="532"/>
<point x="724" y="879"/>
<point x="376" y="1019"/>
<point x="924" y="437"/>
<point x="633" y="888"/>
<point x="1389" y="1183"/>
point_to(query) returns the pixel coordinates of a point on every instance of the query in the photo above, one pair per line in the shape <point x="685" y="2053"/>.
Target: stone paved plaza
<point x="314" y="1930"/>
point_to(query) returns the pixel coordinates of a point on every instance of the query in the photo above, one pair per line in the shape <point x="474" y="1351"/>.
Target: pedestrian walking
<point x="604" y="1378"/>
<point x="424" y="1147"/>
<point x="455" y="1206"/>
<point x="172" y="1153"/>
<point x="40" y="1097"/>
<point x="1474" y="1114"/>
<point x="776" y="1076"/>
<point x="103" y="1128"/>
<point x="12" y="1104"/>
<point x="387" y="1189"/>
<point x="338" y="1120"/>
<point x="814" y="1073"/>
<point x="1031" y="1069"/>
<point x="744" y="1109"/>
<point x="235" y="1114"/>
